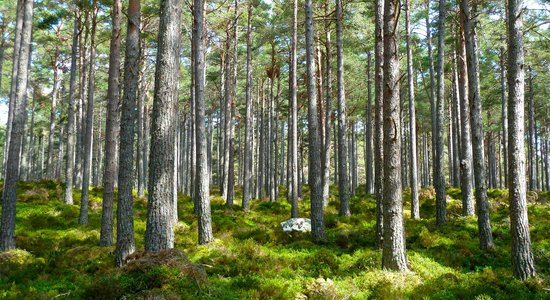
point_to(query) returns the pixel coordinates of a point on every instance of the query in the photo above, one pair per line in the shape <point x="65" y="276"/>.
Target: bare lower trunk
<point x="88" y="132"/>
<point x="415" y="212"/>
<point x="522" y="255"/>
<point x="379" y="119"/>
<point x="316" y="189"/>
<point x="112" y="129"/>
<point x="159" y="233"/>
<point x="125" y="214"/>
<point x="393" y="251"/>
<point x="482" y="205"/>
<point x="7" y="226"/>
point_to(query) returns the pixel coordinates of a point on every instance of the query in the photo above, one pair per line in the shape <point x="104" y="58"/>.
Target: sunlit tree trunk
<point x="379" y="118"/>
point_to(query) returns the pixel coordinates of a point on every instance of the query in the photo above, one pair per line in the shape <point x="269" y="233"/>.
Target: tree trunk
<point x="293" y="134"/>
<point x="125" y="215"/>
<point x="466" y="179"/>
<point x="532" y="140"/>
<point x="7" y="226"/>
<point x="379" y="118"/>
<point x="393" y="251"/>
<point x="202" y="189"/>
<point x="438" y="158"/>
<point x="522" y="255"/>
<point x="368" y="131"/>
<point x="19" y="20"/>
<point x="69" y="164"/>
<point x="53" y="112"/>
<point x="482" y="205"/>
<point x="343" y="182"/>
<point x="112" y="127"/>
<point x="88" y="135"/>
<point x="316" y="189"/>
<point x="248" y="145"/>
<point x="415" y="212"/>
<point x="159" y="233"/>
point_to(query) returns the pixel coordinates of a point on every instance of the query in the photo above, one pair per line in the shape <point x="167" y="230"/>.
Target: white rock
<point x="296" y="224"/>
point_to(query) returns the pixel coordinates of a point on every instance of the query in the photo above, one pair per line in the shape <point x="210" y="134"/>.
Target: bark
<point x="53" y="111"/>
<point x="482" y="204"/>
<point x="316" y="189"/>
<point x="415" y="212"/>
<point x="19" y="20"/>
<point x="202" y="189"/>
<point x="379" y="119"/>
<point x="466" y="179"/>
<point x="393" y="251"/>
<point x="522" y="255"/>
<point x="368" y="131"/>
<point x="125" y="215"/>
<point x="112" y="128"/>
<point x="88" y="136"/>
<point x="438" y="158"/>
<point x="159" y="233"/>
<point x="504" y="115"/>
<point x="248" y="181"/>
<point x="7" y="225"/>
<point x="432" y="88"/>
<point x="293" y="134"/>
<point x="532" y="139"/>
<point x="343" y="180"/>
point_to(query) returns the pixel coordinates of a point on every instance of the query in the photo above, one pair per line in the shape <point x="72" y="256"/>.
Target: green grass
<point x="252" y="258"/>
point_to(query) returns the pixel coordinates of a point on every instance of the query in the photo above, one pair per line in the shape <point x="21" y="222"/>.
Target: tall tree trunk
<point x="368" y="131"/>
<point x="379" y="118"/>
<point x="293" y="134"/>
<point x="393" y="251"/>
<point x="532" y="140"/>
<point x="88" y="136"/>
<point x="522" y="255"/>
<point x="248" y="145"/>
<point x="112" y="125"/>
<point x="328" y="110"/>
<point x="69" y="164"/>
<point x="466" y="176"/>
<point x="53" y="111"/>
<point x="432" y="87"/>
<point x="415" y="212"/>
<point x="343" y="182"/>
<point x="7" y="226"/>
<point x="316" y="189"/>
<point x="202" y="191"/>
<point x="438" y="158"/>
<point x="504" y="115"/>
<point x="125" y="215"/>
<point x="159" y="233"/>
<point x="19" y="20"/>
<point x="482" y="205"/>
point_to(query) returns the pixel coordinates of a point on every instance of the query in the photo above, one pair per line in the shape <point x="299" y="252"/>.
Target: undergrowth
<point x="251" y="258"/>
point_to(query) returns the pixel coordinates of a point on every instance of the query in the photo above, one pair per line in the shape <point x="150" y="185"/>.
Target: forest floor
<point x="252" y="258"/>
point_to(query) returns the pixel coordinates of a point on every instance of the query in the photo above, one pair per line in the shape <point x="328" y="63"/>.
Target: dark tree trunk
<point x="159" y="233"/>
<point x="393" y="251"/>
<point x="522" y="255"/>
<point x="343" y="182"/>
<point x="316" y="189"/>
<point x="7" y="225"/>
<point x="482" y="205"/>
<point x="438" y="158"/>
<point x="379" y="118"/>
<point x="112" y="127"/>
<point x="202" y="189"/>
